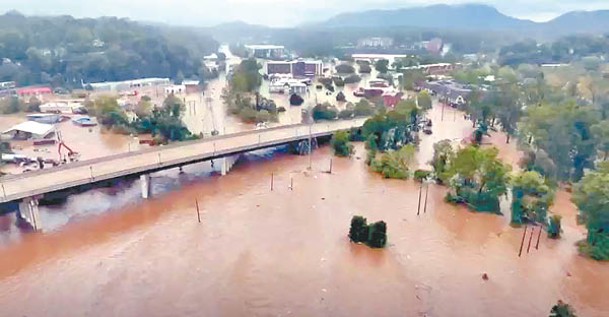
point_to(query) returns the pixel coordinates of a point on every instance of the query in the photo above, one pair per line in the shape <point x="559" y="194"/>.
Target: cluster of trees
<point x="390" y="140"/>
<point x="374" y="235"/>
<point x="250" y="111"/>
<point x="242" y="98"/>
<point x="64" y="51"/>
<point x="561" y="117"/>
<point x="164" y="123"/>
<point x="591" y="195"/>
<point x="13" y="104"/>
<point x="341" y="145"/>
<point x="563" y="50"/>
<point x="246" y="77"/>
<point x="475" y="176"/>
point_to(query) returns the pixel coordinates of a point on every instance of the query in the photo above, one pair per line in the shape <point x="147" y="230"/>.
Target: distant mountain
<point x="473" y="17"/>
<point x="579" y="22"/>
<point x="468" y="16"/>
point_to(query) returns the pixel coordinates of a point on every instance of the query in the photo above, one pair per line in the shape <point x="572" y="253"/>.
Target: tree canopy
<point x="63" y="51"/>
<point x="591" y="195"/>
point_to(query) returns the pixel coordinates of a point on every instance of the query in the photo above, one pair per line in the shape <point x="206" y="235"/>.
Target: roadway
<point x="15" y="187"/>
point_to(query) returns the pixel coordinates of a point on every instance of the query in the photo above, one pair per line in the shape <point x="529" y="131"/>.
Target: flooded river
<point x="285" y="252"/>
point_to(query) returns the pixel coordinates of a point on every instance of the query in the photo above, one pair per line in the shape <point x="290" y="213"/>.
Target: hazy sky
<point x="271" y="12"/>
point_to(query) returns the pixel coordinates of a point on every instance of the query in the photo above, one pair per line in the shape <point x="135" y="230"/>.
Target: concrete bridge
<point x="28" y="188"/>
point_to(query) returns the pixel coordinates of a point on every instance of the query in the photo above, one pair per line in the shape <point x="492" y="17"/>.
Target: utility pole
<point x="524" y="234"/>
<point x="419" y="206"/>
<point x="426" y="192"/>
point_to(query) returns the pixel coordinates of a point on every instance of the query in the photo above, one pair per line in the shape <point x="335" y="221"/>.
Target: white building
<point x="129" y="84"/>
<point x="379" y="42"/>
<point x="175" y="89"/>
<point x="30" y="130"/>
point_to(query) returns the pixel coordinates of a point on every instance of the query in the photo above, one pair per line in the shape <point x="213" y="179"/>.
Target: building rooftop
<point x="265" y="47"/>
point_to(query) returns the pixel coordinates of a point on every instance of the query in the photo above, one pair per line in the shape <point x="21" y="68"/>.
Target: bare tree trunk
<point x="507" y="139"/>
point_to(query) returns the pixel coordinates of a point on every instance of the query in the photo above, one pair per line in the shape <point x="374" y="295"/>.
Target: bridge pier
<point x="228" y="162"/>
<point x="146" y="184"/>
<point x="28" y="212"/>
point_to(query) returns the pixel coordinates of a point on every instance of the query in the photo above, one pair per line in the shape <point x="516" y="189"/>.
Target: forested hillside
<point x="62" y="51"/>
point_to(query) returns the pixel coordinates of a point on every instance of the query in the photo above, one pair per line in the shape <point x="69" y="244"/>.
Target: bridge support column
<point x="28" y="211"/>
<point x="228" y="162"/>
<point x="146" y="184"/>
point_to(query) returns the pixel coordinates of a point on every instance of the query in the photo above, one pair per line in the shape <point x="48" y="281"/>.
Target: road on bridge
<point x="30" y="184"/>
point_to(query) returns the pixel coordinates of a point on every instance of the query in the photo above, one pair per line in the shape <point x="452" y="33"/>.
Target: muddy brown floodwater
<point x="286" y="253"/>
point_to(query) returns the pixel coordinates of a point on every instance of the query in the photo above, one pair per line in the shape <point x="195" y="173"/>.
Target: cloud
<point x="271" y="12"/>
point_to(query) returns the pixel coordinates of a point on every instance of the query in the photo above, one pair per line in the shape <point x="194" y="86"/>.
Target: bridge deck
<point x="16" y="187"/>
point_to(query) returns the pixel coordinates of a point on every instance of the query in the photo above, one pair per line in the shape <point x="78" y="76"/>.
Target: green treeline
<point x="63" y="51"/>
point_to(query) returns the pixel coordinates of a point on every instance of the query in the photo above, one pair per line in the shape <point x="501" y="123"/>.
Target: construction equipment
<point x="71" y="155"/>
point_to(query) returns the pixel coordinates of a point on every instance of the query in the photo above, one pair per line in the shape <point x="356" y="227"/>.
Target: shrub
<point x="248" y="115"/>
<point x="345" y="69"/>
<point x="352" y="79"/>
<point x="363" y="108"/>
<point x="325" y="81"/>
<point x="324" y="111"/>
<point x="263" y="116"/>
<point x="341" y="145"/>
<point x="562" y="309"/>
<point x="340" y="97"/>
<point x="554" y="228"/>
<point x="359" y="229"/>
<point x="338" y="81"/>
<point x="420" y="175"/>
<point x="365" y="69"/>
<point x="345" y="114"/>
<point x="296" y="100"/>
<point x="281" y="109"/>
<point x="377" y="234"/>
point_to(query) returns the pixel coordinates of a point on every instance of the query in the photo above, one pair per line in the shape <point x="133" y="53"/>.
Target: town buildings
<point x="297" y="68"/>
<point x="266" y="51"/>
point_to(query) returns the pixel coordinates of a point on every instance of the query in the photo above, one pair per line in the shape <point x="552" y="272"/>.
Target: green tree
<point x="365" y="69"/>
<point x="554" y="227"/>
<point x="563" y="131"/>
<point x="591" y="195"/>
<point x="363" y="108"/>
<point x="478" y="178"/>
<point x="562" y="309"/>
<point x="601" y="134"/>
<point x="143" y="108"/>
<point x="395" y="164"/>
<point x="424" y="100"/>
<point x="532" y="197"/>
<point x="508" y="109"/>
<point x="341" y="145"/>
<point x="358" y="232"/>
<point x="377" y="234"/>
<point x="325" y="111"/>
<point x="382" y="66"/>
<point x="410" y="78"/>
<point x="443" y="153"/>
<point x="345" y="69"/>
<point x="246" y="77"/>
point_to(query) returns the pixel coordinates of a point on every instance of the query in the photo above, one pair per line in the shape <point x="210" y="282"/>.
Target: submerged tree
<point x="442" y="154"/>
<point x="478" y="178"/>
<point x="395" y="164"/>
<point x="359" y="229"/>
<point x="562" y="309"/>
<point x="341" y="145"/>
<point x="554" y="227"/>
<point x="532" y="197"/>
<point x="591" y="195"/>
<point x="377" y="234"/>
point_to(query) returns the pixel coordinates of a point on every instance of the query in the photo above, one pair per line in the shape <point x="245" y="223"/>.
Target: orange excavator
<point x="71" y="155"/>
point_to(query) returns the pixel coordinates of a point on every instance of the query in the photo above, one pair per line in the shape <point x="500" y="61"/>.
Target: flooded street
<point x="286" y="253"/>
